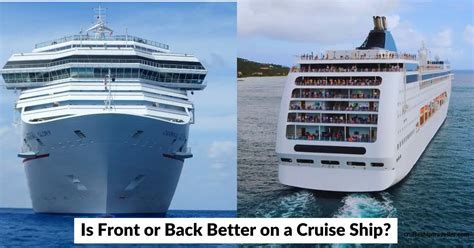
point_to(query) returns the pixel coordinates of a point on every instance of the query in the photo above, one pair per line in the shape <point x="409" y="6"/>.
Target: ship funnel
<point x="379" y="37"/>
<point x="378" y="24"/>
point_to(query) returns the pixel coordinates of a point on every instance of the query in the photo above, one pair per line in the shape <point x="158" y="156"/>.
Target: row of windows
<point x="414" y="77"/>
<point x="411" y="78"/>
<point x="105" y="59"/>
<point x="432" y="75"/>
<point x="330" y="162"/>
<point x="102" y="73"/>
<point x="405" y="139"/>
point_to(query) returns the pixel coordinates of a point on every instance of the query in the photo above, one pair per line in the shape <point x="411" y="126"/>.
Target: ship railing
<point x="369" y="97"/>
<point x="342" y="69"/>
<point x="310" y="95"/>
<point x="358" y="56"/>
<point x="316" y="137"/>
<point x="338" y="82"/>
<point x="332" y="121"/>
<point x="106" y="38"/>
<point x="314" y="108"/>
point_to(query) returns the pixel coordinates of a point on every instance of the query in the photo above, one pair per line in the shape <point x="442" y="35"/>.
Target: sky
<point x="274" y="31"/>
<point x="207" y="30"/>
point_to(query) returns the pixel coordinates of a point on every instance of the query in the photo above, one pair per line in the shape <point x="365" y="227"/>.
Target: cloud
<point x="4" y="130"/>
<point x="408" y="38"/>
<point x="443" y="38"/>
<point x="469" y="34"/>
<point x="221" y="152"/>
<point x="310" y="21"/>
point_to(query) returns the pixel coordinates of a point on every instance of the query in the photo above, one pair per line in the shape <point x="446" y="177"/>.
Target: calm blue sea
<point x="437" y="196"/>
<point x="24" y="228"/>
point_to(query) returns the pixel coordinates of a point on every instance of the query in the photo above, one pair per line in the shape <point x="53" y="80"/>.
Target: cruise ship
<point x="358" y="120"/>
<point x="105" y="121"/>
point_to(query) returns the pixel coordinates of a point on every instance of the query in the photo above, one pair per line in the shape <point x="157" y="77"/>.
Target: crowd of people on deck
<point x="333" y="136"/>
<point x="323" y="81"/>
<point x="316" y="93"/>
<point x="304" y="118"/>
<point x="362" y="120"/>
<point x="348" y="68"/>
<point x="337" y="119"/>
<point x="383" y="55"/>
<point x="337" y="106"/>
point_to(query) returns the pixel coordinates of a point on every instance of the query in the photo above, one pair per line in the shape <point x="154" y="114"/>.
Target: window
<point x="377" y="164"/>
<point x="356" y="163"/>
<point x="330" y="149"/>
<point x="305" y="161"/>
<point x="329" y="162"/>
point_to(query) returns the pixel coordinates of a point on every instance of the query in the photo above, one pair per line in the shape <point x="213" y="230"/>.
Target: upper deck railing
<point x="106" y="38"/>
<point x="358" y="55"/>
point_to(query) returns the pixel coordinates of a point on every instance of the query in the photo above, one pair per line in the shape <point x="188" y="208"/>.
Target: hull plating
<point x="345" y="178"/>
<point x="103" y="163"/>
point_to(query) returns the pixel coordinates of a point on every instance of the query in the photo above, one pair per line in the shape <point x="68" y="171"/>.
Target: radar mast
<point x="99" y="27"/>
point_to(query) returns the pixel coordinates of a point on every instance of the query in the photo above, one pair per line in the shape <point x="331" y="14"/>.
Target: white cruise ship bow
<point x="105" y="121"/>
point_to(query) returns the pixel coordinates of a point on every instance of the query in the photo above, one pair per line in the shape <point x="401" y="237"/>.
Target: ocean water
<point x="437" y="196"/>
<point x="24" y="228"/>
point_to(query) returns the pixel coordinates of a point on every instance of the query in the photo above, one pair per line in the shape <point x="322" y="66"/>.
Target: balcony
<point x="338" y="81"/>
<point x="332" y="133"/>
<point x="334" y="106"/>
<point x="323" y="118"/>
<point x="336" y="93"/>
<point x="348" y="68"/>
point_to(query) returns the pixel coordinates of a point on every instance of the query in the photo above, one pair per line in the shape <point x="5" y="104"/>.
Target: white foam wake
<point x="366" y="206"/>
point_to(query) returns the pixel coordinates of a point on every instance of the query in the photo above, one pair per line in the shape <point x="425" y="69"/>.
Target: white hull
<point x="107" y="171"/>
<point x="392" y="127"/>
<point x="363" y="180"/>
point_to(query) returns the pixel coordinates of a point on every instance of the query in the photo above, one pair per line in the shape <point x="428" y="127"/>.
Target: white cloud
<point x="221" y="153"/>
<point x="443" y="38"/>
<point x="4" y="130"/>
<point x="469" y="34"/>
<point x="220" y="149"/>
<point x="393" y="21"/>
<point x="310" y="21"/>
<point x="407" y="38"/>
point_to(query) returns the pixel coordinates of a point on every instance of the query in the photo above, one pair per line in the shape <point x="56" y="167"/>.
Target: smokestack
<point x="379" y="23"/>
<point x="384" y="23"/>
<point x="375" y="21"/>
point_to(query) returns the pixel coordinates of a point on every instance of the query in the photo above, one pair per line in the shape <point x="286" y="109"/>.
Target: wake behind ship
<point x="358" y="120"/>
<point x="105" y="121"/>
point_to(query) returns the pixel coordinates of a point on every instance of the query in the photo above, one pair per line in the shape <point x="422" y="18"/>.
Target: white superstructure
<point x="105" y="121"/>
<point x="358" y="120"/>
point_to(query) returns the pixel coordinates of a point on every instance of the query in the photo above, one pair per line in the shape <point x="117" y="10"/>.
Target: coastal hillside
<point x="247" y="68"/>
